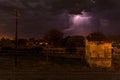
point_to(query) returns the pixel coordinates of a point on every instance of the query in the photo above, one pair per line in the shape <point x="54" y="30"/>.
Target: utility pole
<point x="17" y="15"/>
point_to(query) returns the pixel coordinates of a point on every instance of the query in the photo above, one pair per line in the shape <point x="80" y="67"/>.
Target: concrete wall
<point x="98" y="54"/>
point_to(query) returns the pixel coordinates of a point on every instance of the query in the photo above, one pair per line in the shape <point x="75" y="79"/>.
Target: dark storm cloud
<point x="104" y="8"/>
<point x="38" y="16"/>
<point x="72" y="6"/>
<point x="32" y="20"/>
<point x="108" y="8"/>
<point x="108" y="13"/>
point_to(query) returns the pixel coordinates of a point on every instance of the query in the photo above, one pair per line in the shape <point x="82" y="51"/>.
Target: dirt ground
<point x="37" y="67"/>
<point x="47" y="68"/>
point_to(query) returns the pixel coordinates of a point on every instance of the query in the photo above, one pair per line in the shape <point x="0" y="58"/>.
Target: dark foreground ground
<point x="37" y="67"/>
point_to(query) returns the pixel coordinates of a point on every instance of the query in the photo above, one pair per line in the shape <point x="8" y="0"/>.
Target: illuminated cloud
<point x="80" y="18"/>
<point x="79" y="24"/>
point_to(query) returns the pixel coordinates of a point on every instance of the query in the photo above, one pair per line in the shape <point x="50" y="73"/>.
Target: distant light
<point x="46" y="43"/>
<point x="41" y="43"/>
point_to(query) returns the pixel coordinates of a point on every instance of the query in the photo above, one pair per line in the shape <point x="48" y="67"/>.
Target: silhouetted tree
<point x="96" y="36"/>
<point x="54" y="37"/>
<point x="5" y="42"/>
<point x="64" y="41"/>
<point x="114" y="38"/>
<point x="22" y="42"/>
<point x="74" y="41"/>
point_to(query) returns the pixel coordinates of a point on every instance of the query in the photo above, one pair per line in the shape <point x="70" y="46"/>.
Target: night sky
<point x="73" y="17"/>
